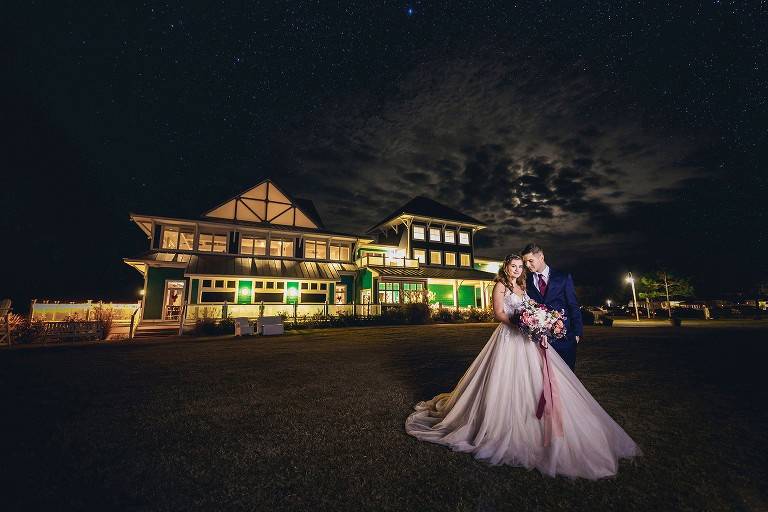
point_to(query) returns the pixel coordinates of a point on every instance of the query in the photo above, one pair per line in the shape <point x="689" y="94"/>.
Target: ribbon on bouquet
<point x="549" y="406"/>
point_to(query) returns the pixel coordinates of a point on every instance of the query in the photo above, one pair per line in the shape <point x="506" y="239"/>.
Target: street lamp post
<point x="666" y="288"/>
<point x="631" y="280"/>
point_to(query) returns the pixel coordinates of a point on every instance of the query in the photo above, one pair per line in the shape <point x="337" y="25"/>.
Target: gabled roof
<point x="425" y="207"/>
<point x="267" y="203"/>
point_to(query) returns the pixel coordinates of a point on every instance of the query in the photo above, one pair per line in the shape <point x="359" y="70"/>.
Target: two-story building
<point x="262" y="252"/>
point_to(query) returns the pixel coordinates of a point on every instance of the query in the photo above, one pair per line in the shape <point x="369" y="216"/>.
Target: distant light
<point x="609" y="302"/>
<point x="141" y="292"/>
<point x="409" y="11"/>
<point x="630" y="279"/>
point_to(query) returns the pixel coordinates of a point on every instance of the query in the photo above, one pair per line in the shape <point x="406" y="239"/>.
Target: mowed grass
<point x="314" y="421"/>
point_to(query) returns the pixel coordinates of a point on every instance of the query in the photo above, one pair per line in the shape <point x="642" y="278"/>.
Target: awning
<point x="434" y="273"/>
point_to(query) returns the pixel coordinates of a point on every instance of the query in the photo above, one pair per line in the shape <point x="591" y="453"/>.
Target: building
<point x="264" y="252"/>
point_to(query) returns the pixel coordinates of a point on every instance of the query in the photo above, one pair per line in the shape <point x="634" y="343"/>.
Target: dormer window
<point x="450" y="236"/>
<point x="182" y="238"/>
<point x="418" y="233"/>
<point x="464" y="237"/>
<point x="212" y="242"/>
<point x="434" y="235"/>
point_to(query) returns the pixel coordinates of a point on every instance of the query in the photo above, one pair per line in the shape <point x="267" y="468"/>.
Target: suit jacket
<point x="560" y="295"/>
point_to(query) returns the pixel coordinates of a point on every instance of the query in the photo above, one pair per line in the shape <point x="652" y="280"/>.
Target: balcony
<point x="386" y="261"/>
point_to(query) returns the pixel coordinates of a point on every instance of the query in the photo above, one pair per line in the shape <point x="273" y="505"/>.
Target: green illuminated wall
<point x="443" y="294"/>
<point x="153" y="300"/>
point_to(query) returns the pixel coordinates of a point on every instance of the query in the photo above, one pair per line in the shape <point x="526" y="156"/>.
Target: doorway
<point x="173" y="299"/>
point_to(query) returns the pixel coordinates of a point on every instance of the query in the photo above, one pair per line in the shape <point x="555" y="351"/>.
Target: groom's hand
<point x="578" y="338"/>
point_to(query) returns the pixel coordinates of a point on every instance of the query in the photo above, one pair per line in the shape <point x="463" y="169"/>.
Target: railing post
<point x="182" y="316"/>
<point x="295" y="307"/>
<point x="130" y="329"/>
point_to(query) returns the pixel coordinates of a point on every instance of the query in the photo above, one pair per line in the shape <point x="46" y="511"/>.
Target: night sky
<point x="619" y="137"/>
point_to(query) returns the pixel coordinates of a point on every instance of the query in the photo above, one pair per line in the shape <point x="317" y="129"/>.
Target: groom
<point x="555" y="290"/>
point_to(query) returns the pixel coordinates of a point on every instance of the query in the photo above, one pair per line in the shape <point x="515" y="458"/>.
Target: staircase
<point x="163" y="329"/>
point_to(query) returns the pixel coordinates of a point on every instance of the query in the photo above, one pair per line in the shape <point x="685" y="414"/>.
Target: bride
<point x="492" y="411"/>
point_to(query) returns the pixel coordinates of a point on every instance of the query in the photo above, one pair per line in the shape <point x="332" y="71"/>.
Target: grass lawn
<point x="314" y="421"/>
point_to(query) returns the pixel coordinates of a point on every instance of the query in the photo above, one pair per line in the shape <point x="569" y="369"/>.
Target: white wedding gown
<point x="492" y="412"/>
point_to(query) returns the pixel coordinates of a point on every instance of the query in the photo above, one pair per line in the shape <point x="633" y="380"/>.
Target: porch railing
<point x="386" y="261"/>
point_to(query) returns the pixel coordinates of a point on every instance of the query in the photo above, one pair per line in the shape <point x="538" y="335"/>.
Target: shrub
<point x="446" y="316"/>
<point x="207" y="326"/>
<point x="479" y="315"/>
<point x="416" y="313"/>
<point x="104" y="318"/>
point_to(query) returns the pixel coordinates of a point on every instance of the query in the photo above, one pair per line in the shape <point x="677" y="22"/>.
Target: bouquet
<point x="540" y="322"/>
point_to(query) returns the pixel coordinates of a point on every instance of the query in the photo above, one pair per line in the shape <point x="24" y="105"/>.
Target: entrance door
<point x="340" y="294"/>
<point x="173" y="299"/>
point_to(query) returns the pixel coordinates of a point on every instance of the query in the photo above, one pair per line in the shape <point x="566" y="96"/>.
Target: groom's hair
<point x="531" y="249"/>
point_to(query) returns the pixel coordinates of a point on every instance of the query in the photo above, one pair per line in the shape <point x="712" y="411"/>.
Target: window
<point x="420" y="254"/>
<point x="434" y="234"/>
<point x="413" y="292"/>
<point x="271" y="284"/>
<point x="279" y="247"/>
<point x="218" y="290"/>
<point x="211" y="242"/>
<point x="313" y="286"/>
<point x="323" y="286"/>
<point x="280" y="285"/>
<point x="450" y="258"/>
<point x="464" y="237"/>
<point x="259" y="284"/>
<point x="314" y="249"/>
<point x="435" y="258"/>
<point x="464" y="259"/>
<point x="450" y="236"/>
<point x="418" y="232"/>
<point x="305" y="286"/>
<point x="256" y="246"/>
<point x="389" y="293"/>
<point x="178" y="238"/>
<point x="339" y="252"/>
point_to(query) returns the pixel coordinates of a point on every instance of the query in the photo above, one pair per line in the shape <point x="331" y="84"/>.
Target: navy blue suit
<point x="560" y="294"/>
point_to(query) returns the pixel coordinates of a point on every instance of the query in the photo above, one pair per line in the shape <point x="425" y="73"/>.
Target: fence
<point x="61" y="311"/>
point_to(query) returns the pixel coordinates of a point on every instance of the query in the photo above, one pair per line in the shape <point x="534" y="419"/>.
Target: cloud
<point x="534" y="150"/>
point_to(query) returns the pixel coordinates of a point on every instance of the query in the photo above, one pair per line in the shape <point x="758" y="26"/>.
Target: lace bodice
<point x="512" y="301"/>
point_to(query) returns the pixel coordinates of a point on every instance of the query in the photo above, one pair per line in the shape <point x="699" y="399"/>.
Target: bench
<point x="243" y="327"/>
<point x="269" y="325"/>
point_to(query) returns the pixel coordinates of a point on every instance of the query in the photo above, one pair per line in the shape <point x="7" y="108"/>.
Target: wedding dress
<point x="493" y="412"/>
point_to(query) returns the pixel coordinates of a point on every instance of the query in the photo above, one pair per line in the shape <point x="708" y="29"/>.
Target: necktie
<point x="542" y="285"/>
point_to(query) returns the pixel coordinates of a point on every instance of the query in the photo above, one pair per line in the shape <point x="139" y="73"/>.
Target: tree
<point x="654" y="286"/>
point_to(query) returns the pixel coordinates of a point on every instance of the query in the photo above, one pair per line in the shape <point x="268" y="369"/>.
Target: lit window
<point x="178" y="238"/>
<point x="389" y="293"/>
<point x="314" y="249"/>
<point x="253" y="245"/>
<point x="339" y="252"/>
<point x="464" y="259"/>
<point x="464" y="237"/>
<point x="434" y="234"/>
<point x="418" y="232"/>
<point x="210" y="242"/>
<point x="435" y="258"/>
<point x="420" y="254"/>
<point x="450" y="236"/>
<point x="450" y="258"/>
<point x="279" y="247"/>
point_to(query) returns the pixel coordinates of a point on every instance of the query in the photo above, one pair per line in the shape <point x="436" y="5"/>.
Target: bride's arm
<point x="498" y="305"/>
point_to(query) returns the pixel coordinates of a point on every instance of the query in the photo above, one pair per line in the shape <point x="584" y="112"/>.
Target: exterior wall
<point x="350" y="282"/>
<point x="443" y="294"/>
<point x="153" y="299"/>
<point x="466" y="296"/>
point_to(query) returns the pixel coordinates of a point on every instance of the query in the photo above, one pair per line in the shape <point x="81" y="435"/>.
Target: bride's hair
<point x="505" y="279"/>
